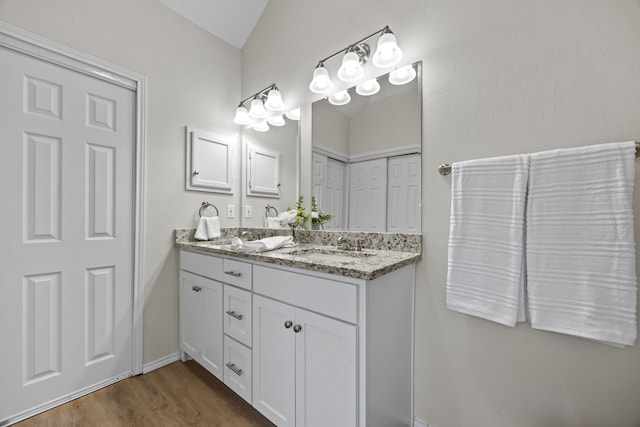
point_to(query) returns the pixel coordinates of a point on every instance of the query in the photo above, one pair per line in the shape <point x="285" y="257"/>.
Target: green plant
<point x="297" y="216"/>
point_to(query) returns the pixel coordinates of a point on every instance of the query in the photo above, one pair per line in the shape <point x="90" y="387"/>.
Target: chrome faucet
<point x="246" y="236"/>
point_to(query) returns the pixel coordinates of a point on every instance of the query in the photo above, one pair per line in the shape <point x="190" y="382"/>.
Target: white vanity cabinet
<point x="201" y="321"/>
<point x="305" y="348"/>
<point x="304" y="366"/>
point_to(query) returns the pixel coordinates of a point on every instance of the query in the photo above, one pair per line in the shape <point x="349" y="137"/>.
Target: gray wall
<point x="499" y="77"/>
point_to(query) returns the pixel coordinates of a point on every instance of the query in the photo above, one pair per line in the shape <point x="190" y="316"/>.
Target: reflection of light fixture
<point x="276" y="120"/>
<point x="402" y="75"/>
<point x="293" y="114"/>
<point x="367" y="88"/>
<point x="356" y="55"/>
<point x="264" y="104"/>
<point x="340" y="98"/>
<point x="260" y="126"/>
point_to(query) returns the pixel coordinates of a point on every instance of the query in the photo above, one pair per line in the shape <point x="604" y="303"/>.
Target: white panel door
<point x="336" y="194"/>
<point x="319" y="169"/>
<point x="66" y="276"/>
<point x="403" y="189"/>
<point x="368" y="196"/>
<point x="326" y="391"/>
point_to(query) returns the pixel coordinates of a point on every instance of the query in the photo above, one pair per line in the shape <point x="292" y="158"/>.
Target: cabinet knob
<point x="288" y="324"/>
<point x="297" y="328"/>
<point x="196" y="173"/>
<point x="196" y="288"/>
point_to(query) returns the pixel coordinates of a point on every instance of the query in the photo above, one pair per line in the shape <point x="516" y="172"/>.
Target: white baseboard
<point x="151" y="366"/>
<point x="419" y="423"/>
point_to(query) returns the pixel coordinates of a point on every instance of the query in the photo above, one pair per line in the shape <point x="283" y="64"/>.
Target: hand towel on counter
<point x="208" y="228"/>
<point x="485" y="273"/>
<point x="262" y="245"/>
<point x="581" y="258"/>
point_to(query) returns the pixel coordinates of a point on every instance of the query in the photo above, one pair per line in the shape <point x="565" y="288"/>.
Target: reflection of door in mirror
<point x="367" y="159"/>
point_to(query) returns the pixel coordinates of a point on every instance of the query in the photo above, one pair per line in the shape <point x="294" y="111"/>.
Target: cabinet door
<point x="210" y="326"/>
<point x="326" y="392"/>
<point x="274" y="360"/>
<point x="209" y="163"/>
<point x="263" y="172"/>
<point x="189" y="309"/>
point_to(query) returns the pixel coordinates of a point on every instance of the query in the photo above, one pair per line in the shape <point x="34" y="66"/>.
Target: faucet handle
<point x="358" y="245"/>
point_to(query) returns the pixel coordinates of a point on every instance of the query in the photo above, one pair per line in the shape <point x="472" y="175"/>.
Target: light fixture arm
<point x="260" y="94"/>
<point x="353" y="45"/>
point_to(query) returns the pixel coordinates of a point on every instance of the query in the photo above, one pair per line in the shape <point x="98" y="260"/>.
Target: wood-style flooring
<point x="179" y="394"/>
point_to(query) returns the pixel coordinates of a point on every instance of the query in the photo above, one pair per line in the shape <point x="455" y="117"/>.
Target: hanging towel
<point x="485" y="273"/>
<point x="201" y="230"/>
<point x="581" y="258"/>
<point x="208" y="228"/>
<point x="213" y="227"/>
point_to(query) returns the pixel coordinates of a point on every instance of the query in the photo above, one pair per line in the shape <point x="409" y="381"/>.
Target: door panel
<point x="404" y="207"/>
<point x="66" y="279"/>
<point x="368" y="196"/>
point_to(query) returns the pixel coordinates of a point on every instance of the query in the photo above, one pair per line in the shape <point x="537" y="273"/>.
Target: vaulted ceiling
<point x="230" y="20"/>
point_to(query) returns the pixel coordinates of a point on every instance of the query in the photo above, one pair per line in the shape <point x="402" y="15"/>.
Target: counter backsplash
<point x="401" y="242"/>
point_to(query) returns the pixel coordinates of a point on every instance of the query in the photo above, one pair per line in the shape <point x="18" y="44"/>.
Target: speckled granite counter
<point x="381" y="254"/>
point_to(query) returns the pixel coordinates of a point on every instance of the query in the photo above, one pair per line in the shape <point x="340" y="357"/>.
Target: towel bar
<point x="445" y="168"/>
<point x="205" y="205"/>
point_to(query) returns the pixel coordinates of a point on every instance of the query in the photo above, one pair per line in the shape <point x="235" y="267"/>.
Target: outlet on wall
<point x="247" y="211"/>
<point x="231" y="211"/>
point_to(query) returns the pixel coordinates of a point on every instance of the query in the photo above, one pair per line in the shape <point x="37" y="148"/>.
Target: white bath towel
<point x="208" y="228"/>
<point x="262" y="245"/>
<point x="580" y="243"/>
<point x="485" y="273"/>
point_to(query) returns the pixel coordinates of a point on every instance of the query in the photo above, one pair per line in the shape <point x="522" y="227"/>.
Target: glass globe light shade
<point x="368" y="88"/>
<point x="350" y="70"/>
<point x="242" y="116"/>
<point x="321" y="82"/>
<point x="276" y="120"/>
<point x="257" y="110"/>
<point x="402" y="75"/>
<point x="340" y="98"/>
<point x="261" y="126"/>
<point x="293" y="114"/>
<point x="388" y="53"/>
<point x="274" y="101"/>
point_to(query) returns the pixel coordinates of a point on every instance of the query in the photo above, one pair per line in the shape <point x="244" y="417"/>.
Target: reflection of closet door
<point x="319" y="178"/>
<point x="368" y="196"/>
<point x="66" y="278"/>
<point x="403" y="209"/>
<point x="336" y="194"/>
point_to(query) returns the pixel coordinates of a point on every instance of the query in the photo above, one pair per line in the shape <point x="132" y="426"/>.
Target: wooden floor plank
<point x="179" y="394"/>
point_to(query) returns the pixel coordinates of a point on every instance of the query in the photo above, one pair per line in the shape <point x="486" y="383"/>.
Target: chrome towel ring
<point x="205" y="205"/>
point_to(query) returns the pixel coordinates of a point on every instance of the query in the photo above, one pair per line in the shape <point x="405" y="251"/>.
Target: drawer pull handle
<point x="297" y="328"/>
<point x="235" y="315"/>
<point x="233" y="273"/>
<point x="235" y="369"/>
<point x="288" y="324"/>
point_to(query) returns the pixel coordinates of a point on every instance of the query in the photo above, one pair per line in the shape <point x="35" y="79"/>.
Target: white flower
<point x="315" y="214"/>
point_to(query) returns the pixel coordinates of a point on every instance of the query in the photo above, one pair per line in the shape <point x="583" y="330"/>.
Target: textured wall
<point x="499" y="77"/>
<point x="193" y="79"/>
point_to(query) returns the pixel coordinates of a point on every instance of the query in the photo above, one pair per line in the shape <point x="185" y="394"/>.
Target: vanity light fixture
<point x="402" y="75"/>
<point x="260" y="114"/>
<point x="387" y="54"/>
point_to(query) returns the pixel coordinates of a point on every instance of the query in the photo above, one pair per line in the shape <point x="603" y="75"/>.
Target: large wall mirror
<point x="366" y="160"/>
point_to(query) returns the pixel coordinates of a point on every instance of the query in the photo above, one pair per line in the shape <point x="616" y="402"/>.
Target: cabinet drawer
<point x="237" y="273"/>
<point x="237" y="368"/>
<point x="237" y="314"/>
<point x="332" y="298"/>
<point x="203" y="265"/>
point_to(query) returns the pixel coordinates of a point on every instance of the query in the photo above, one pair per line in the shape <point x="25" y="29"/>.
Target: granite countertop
<point x="316" y="255"/>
